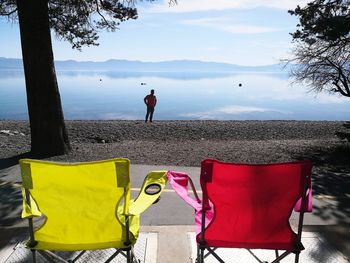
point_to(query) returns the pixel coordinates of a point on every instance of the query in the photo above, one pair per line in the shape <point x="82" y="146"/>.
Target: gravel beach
<point x="186" y="143"/>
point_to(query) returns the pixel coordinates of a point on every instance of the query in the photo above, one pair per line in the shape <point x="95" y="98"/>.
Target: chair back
<point x="79" y="201"/>
<point x="252" y="203"/>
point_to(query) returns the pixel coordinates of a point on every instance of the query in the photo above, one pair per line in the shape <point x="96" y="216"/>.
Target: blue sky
<point x="244" y="32"/>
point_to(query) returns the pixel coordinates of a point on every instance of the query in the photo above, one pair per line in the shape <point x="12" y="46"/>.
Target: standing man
<point x="150" y="101"/>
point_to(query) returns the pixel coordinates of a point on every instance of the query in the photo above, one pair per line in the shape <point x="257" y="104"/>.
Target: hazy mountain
<point x="139" y="66"/>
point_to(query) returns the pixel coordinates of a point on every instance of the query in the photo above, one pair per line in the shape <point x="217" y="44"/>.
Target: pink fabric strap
<point x="179" y="182"/>
<point x="308" y="204"/>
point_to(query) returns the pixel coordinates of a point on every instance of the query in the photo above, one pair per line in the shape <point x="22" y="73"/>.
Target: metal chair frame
<point x="52" y="257"/>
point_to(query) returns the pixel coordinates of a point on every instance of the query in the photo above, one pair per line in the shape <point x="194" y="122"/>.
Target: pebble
<point x="7" y="132"/>
<point x="11" y="133"/>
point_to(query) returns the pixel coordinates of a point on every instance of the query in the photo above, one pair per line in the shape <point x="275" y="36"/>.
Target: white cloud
<point x="211" y="5"/>
<point x="224" y="25"/>
<point x="225" y="112"/>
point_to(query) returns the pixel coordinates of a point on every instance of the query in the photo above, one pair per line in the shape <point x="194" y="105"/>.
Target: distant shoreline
<point x="160" y="66"/>
<point x="186" y="143"/>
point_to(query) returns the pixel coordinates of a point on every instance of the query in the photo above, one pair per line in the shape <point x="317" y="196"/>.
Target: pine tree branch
<point x="8" y="13"/>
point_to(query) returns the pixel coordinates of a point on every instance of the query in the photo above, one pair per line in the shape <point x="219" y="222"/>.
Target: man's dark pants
<point x="149" y="113"/>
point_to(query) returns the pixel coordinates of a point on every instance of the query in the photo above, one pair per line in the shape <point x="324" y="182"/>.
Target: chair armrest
<point x="308" y="202"/>
<point x="29" y="206"/>
<point x="179" y="182"/>
<point x="308" y="198"/>
<point x="152" y="187"/>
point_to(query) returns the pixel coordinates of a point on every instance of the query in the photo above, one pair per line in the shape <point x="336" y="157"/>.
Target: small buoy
<point x="100" y="79"/>
<point x="240" y="85"/>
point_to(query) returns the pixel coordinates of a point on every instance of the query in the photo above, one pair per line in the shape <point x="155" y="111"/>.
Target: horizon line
<point x="161" y="61"/>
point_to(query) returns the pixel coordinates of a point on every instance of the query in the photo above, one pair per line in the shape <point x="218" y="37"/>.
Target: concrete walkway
<point x="168" y="226"/>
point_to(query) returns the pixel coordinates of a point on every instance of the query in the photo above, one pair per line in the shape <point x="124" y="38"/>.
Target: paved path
<point x="330" y="219"/>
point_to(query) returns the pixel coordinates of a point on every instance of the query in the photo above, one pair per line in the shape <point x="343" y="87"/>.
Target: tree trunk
<point x="48" y="132"/>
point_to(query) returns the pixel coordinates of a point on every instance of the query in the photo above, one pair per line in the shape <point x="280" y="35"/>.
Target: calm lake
<point x="181" y="96"/>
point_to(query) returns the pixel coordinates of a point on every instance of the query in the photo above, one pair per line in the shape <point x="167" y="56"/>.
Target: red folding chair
<point x="248" y="206"/>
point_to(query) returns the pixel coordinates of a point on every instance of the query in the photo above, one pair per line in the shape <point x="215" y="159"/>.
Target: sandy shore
<point x="188" y="142"/>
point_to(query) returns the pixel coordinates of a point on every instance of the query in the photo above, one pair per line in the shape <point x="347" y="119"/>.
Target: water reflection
<point x="119" y="95"/>
<point x="9" y="73"/>
<point x="167" y="75"/>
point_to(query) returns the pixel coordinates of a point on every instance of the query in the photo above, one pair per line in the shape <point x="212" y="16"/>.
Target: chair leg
<point x="297" y="257"/>
<point x="133" y="257"/>
<point x="282" y="256"/>
<point x="255" y="257"/>
<point x="201" y="255"/>
<point x="51" y="256"/>
<point x="77" y="257"/>
<point x="33" y="255"/>
<point x="128" y="256"/>
<point x="216" y="256"/>
<point x="114" y="255"/>
<point x="277" y="255"/>
<point x="208" y="253"/>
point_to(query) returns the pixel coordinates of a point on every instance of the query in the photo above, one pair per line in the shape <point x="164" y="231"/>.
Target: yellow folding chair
<point x="86" y="206"/>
